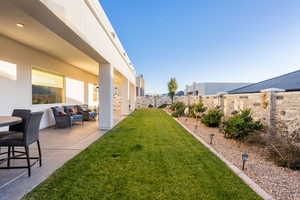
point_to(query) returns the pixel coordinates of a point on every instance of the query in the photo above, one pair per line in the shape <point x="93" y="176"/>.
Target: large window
<point x="8" y="70"/>
<point x="93" y="94"/>
<point x="74" y="91"/>
<point x="47" y="88"/>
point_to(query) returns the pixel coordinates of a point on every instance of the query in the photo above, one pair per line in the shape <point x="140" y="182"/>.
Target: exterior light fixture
<point x="20" y="25"/>
<point x="211" y="138"/>
<point x="245" y="157"/>
<point x="196" y="126"/>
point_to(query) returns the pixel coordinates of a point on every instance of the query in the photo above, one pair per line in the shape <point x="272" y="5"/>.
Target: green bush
<point x="196" y="109"/>
<point x="176" y="106"/>
<point x="179" y="112"/>
<point x="178" y="109"/>
<point x="200" y="108"/>
<point x="212" y="118"/>
<point x="240" y="125"/>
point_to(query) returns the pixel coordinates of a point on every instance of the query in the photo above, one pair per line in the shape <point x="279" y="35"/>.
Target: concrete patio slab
<point x="58" y="146"/>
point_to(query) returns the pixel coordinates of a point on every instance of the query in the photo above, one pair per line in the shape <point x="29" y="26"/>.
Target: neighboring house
<point x="287" y="82"/>
<point x="211" y="88"/>
<point x="180" y="93"/>
<point x="62" y="52"/>
<point x="140" y="86"/>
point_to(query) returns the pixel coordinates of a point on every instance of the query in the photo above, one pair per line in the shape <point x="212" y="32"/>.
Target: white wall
<point x="18" y="93"/>
<point x="88" y="20"/>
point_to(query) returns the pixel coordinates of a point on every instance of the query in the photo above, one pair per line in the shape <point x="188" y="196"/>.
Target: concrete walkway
<point x="58" y="146"/>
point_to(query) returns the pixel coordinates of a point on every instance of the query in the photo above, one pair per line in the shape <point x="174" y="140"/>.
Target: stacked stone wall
<point x="279" y="111"/>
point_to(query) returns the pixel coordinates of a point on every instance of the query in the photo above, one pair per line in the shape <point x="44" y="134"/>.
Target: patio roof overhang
<point x="45" y="31"/>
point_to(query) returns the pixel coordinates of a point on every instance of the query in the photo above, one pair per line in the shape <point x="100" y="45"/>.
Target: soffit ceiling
<point x="118" y="78"/>
<point x="37" y="36"/>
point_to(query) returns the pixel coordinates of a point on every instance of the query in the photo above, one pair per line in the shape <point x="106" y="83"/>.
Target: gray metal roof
<point x="288" y="82"/>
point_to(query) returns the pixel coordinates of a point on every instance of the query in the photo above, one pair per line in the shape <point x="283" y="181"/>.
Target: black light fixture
<point x="245" y="157"/>
<point x="211" y="138"/>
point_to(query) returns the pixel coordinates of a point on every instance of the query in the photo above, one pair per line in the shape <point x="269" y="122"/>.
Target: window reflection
<point x="8" y="70"/>
<point x="74" y="91"/>
<point x="47" y="88"/>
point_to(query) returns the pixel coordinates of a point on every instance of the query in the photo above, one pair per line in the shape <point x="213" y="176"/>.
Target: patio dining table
<point x="9" y="120"/>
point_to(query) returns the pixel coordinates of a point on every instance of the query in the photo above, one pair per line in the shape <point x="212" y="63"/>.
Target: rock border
<point x="236" y="170"/>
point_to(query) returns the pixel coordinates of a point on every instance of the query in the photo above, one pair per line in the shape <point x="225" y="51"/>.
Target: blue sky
<point x="208" y="40"/>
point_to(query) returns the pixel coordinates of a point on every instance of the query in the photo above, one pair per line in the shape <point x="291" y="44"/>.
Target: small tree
<point x="172" y="87"/>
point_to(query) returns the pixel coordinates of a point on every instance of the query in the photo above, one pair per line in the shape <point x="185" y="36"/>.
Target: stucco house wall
<point x="18" y="93"/>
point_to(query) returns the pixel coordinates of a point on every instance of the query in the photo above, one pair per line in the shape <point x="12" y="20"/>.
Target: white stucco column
<point x="124" y="93"/>
<point x="86" y="93"/>
<point x="132" y="97"/>
<point x="106" y="74"/>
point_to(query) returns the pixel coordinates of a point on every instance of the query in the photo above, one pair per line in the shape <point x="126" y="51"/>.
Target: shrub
<point x="178" y="109"/>
<point x="284" y="152"/>
<point x="192" y="111"/>
<point x="200" y="108"/>
<point x="179" y="112"/>
<point x="176" y="106"/>
<point x="240" y="125"/>
<point x="212" y="118"/>
<point x="196" y="109"/>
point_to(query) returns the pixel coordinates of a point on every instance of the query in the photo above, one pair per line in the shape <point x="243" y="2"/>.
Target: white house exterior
<point x="211" y="88"/>
<point x="63" y="49"/>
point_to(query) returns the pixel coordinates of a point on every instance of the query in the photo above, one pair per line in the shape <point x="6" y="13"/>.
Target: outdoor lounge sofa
<point x="66" y="116"/>
<point x="88" y="114"/>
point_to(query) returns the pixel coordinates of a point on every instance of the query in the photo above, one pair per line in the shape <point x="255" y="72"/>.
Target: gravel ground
<point x="281" y="183"/>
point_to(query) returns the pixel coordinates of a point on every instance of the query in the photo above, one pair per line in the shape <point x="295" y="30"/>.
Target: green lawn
<point x="147" y="156"/>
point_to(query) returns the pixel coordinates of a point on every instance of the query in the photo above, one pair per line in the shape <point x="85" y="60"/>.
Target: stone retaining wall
<point x="145" y="102"/>
<point x="279" y="111"/>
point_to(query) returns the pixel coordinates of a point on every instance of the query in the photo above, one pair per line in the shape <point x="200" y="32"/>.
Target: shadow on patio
<point x="58" y="146"/>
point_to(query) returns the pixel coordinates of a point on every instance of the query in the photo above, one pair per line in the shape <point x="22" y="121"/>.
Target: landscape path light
<point x="211" y="138"/>
<point x="245" y="157"/>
